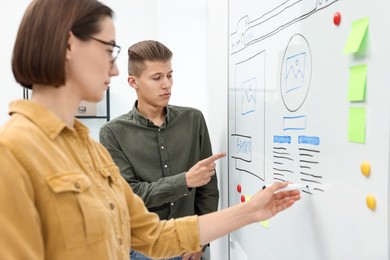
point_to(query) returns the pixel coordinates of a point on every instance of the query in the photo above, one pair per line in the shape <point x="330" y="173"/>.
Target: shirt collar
<point x="49" y="123"/>
<point x="140" y="119"/>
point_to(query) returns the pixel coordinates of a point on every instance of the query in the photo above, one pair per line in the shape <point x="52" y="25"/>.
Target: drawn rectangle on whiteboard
<point x="243" y="148"/>
<point x="248" y="96"/>
<point x="295" y="77"/>
<point x="294" y="123"/>
<point x="249" y="113"/>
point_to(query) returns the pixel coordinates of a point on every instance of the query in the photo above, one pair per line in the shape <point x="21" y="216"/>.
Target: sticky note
<point x="357" y="83"/>
<point x="357" y="125"/>
<point x="265" y="223"/>
<point x="356" y="37"/>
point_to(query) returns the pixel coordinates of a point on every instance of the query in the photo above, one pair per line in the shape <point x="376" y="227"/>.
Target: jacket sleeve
<point x="160" y="238"/>
<point x="207" y="196"/>
<point x="21" y="236"/>
<point x="154" y="194"/>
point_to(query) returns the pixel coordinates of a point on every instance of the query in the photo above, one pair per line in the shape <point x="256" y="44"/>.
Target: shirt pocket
<point x="81" y="214"/>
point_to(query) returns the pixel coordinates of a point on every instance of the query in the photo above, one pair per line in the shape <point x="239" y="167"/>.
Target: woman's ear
<point x="71" y="39"/>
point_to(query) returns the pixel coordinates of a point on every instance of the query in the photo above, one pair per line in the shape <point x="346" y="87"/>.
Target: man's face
<point x="154" y="85"/>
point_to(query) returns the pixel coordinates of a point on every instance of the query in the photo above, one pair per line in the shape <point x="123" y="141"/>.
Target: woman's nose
<point x="114" y="71"/>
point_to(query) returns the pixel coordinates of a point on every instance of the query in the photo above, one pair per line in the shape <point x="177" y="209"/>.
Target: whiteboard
<point x="292" y="117"/>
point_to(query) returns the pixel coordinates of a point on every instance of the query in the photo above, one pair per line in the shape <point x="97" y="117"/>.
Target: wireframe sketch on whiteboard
<point x="248" y="135"/>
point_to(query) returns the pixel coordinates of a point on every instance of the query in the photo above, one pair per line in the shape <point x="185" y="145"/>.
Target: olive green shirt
<point x="62" y="197"/>
<point x="154" y="160"/>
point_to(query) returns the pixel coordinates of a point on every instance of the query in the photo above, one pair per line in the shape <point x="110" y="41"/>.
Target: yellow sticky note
<point x="247" y="197"/>
<point x="357" y="83"/>
<point x="265" y="223"/>
<point x="357" y="125"/>
<point x="356" y="36"/>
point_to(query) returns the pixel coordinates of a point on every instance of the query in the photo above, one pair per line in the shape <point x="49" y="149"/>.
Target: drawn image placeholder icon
<point x="248" y="96"/>
<point x="295" y="74"/>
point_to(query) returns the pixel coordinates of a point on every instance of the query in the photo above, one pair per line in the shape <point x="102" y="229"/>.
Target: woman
<point x="62" y="197"/>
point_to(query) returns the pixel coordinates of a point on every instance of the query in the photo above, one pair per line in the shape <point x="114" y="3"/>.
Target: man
<point x="159" y="147"/>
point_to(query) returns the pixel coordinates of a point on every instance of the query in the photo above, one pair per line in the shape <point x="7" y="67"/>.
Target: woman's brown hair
<point x="41" y="43"/>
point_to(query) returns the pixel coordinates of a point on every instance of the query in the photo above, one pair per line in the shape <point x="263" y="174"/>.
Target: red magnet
<point x="239" y="188"/>
<point x="242" y="198"/>
<point x="337" y="18"/>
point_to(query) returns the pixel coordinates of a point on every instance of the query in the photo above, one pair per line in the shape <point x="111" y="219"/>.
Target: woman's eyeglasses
<point x="115" y="48"/>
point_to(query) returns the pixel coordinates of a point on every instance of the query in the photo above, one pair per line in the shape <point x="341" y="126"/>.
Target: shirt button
<point x="120" y="241"/>
<point x="172" y="204"/>
<point x="112" y="206"/>
<point x="77" y="185"/>
<point x="162" y="147"/>
<point x="165" y="166"/>
<point x="185" y="194"/>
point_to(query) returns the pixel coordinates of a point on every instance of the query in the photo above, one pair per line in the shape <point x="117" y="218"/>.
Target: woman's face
<point x="90" y="63"/>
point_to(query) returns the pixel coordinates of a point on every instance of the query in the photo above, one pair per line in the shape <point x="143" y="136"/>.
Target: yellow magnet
<point x="371" y="202"/>
<point x="365" y="167"/>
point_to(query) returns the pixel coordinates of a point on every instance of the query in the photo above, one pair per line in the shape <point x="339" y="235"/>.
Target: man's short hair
<point x="148" y="50"/>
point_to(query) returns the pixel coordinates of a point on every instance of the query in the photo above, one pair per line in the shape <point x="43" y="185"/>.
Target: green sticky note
<point x="356" y="36"/>
<point x="357" y="83"/>
<point x="357" y="125"/>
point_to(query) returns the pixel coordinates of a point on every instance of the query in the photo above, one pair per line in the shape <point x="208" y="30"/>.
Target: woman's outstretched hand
<point x="269" y="202"/>
<point x="263" y="205"/>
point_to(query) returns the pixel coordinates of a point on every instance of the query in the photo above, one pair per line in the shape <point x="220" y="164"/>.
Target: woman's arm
<point x="21" y="234"/>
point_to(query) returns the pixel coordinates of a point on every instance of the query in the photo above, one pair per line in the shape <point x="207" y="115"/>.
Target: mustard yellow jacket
<point x="62" y="197"/>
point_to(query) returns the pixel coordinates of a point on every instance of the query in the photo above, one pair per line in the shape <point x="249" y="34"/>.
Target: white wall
<point x="9" y="23"/>
<point x="182" y="27"/>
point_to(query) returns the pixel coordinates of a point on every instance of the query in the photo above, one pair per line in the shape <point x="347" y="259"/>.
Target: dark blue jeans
<point x="138" y="256"/>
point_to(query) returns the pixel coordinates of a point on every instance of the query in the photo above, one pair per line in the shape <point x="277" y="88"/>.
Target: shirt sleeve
<point x="154" y="194"/>
<point x="160" y="238"/>
<point x="207" y="196"/>
<point x="21" y="236"/>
